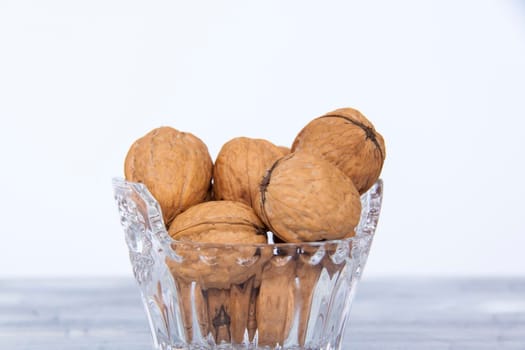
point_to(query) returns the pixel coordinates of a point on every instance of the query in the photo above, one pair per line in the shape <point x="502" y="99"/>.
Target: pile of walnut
<point x="308" y="193"/>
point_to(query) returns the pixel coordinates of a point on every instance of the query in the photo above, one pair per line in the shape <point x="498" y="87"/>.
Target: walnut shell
<point x="225" y="222"/>
<point x="347" y="139"/>
<point x="224" y="270"/>
<point x="240" y="167"/>
<point x="285" y="150"/>
<point x="175" y="166"/>
<point x="304" y="198"/>
<point x="232" y="230"/>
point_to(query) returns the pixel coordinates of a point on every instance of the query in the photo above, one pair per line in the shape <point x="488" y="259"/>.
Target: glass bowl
<point x="243" y="296"/>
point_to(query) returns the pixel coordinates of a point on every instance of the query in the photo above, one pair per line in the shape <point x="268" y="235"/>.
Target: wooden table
<point x="406" y="314"/>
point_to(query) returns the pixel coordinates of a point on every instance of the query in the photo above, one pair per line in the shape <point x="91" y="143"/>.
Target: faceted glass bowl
<point x="243" y="296"/>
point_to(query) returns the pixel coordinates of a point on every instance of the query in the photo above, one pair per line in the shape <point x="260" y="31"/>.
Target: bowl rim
<point x="288" y="245"/>
<point x="357" y="238"/>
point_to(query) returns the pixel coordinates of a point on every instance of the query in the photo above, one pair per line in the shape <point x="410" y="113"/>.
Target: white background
<point x="443" y="81"/>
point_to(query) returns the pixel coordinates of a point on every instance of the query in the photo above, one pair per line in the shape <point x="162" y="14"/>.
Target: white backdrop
<point x="443" y="81"/>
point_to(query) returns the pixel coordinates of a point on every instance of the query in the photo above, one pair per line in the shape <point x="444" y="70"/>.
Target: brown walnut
<point x="230" y="230"/>
<point x="240" y="167"/>
<point x="226" y="222"/>
<point x="220" y="245"/>
<point x="304" y="198"/>
<point x="175" y="166"/>
<point x="347" y="139"/>
<point x="285" y="150"/>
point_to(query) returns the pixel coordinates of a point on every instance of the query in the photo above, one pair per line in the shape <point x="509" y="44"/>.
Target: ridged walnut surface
<point x="285" y="150"/>
<point x="218" y="222"/>
<point x="346" y="138"/>
<point x="304" y="198"/>
<point x="175" y="166"/>
<point x="240" y="167"/>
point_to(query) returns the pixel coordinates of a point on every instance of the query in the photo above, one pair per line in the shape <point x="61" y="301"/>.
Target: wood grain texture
<point x="387" y="314"/>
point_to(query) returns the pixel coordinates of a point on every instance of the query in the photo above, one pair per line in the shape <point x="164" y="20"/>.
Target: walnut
<point x="224" y="226"/>
<point x="175" y="167"/>
<point x="226" y="267"/>
<point x="347" y="139"/>
<point x="285" y="150"/>
<point x="240" y="167"/>
<point x="304" y="198"/>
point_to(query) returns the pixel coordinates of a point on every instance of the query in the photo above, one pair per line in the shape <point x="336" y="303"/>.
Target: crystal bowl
<point x="243" y="296"/>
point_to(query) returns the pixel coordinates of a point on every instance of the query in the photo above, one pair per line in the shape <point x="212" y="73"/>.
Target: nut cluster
<point x="307" y="193"/>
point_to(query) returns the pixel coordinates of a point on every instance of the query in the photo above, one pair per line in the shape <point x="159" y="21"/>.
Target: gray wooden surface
<point x="387" y="314"/>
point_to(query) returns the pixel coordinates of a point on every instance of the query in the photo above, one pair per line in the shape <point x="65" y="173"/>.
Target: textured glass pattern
<point x="210" y="296"/>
